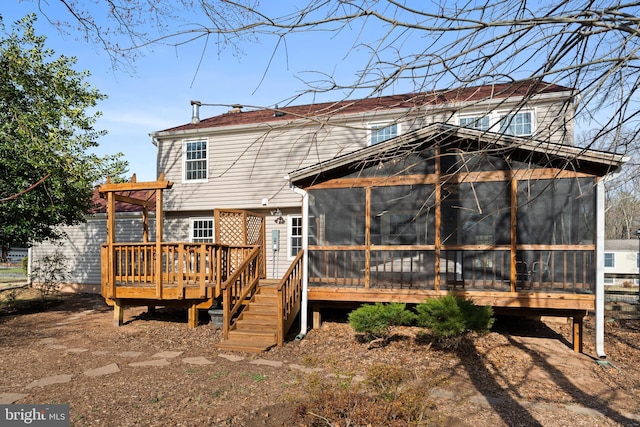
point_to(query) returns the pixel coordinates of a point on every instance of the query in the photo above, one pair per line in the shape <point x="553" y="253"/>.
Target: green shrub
<point x="451" y="316"/>
<point x="479" y="318"/>
<point x="443" y="316"/>
<point x="375" y="320"/>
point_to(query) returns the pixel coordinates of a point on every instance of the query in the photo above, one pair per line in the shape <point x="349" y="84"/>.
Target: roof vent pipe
<point x="195" y="114"/>
<point x="236" y="108"/>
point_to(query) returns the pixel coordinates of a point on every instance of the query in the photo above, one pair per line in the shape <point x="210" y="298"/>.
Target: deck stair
<point x="255" y="329"/>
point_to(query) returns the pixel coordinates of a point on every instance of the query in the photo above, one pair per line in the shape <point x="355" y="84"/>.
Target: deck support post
<point x="118" y="313"/>
<point x="577" y="333"/>
<point x="317" y="319"/>
<point x="193" y="316"/>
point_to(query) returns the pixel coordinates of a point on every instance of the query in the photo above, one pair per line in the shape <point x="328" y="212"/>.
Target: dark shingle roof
<point x="382" y="103"/>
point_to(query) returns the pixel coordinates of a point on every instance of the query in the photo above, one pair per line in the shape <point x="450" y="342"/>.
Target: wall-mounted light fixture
<point x="278" y="214"/>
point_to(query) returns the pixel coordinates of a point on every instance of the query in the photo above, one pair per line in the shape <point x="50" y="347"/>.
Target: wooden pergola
<point x="122" y="192"/>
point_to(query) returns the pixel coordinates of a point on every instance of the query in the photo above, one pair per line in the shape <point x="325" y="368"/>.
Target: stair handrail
<point x="289" y="296"/>
<point x="241" y="285"/>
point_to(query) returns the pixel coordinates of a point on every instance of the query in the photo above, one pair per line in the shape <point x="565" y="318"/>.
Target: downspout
<point x="304" y="304"/>
<point x="600" y="269"/>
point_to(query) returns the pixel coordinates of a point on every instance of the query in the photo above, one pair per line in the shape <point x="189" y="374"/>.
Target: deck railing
<point x="562" y="269"/>
<point x="240" y="286"/>
<point x="201" y="265"/>
<point x="289" y="297"/>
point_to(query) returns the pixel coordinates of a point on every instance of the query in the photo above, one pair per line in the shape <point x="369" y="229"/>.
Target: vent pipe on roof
<point x="195" y="114"/>
<point x="236" y="108"/>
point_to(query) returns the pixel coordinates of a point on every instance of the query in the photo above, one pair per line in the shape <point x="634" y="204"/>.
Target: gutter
<point x="304" y="304"/>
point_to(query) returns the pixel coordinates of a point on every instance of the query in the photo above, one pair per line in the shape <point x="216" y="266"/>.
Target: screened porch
<point x="506" y="221"/>
<point x="482" y="236"/>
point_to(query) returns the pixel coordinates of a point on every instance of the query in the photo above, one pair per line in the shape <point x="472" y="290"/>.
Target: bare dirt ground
<point x="154" y="371"/>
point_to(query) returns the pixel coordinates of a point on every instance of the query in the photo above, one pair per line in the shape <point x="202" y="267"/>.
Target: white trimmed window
<point x="517" y="124"/>
<point x="521" y="123"/>
<point x="295" y="235"/>
<point x="379" y="132"/>
<point x="195" y="161"/>
<point x="475" y="122"/>
<point x="201" y="230"/>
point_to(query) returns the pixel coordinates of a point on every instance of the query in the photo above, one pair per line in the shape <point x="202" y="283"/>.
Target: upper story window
<point x="517" y="124"/>
<point x="609" y="259"/>
<point x="520" y="123"/>
<point x="382" y="131"/>
<point x="201" y="230"/>
<point x="195" y="161"/>
<point x="475" y="122"/>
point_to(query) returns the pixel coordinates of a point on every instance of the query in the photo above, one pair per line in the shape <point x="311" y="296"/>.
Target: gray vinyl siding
<point x="248" y="167"/>
<point x="81" y="247"/>
<point x="248" y="163"/>
<point x="176" y="229"/>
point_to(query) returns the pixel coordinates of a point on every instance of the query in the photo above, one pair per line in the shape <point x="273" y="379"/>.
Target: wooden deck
<point x="197" y="275"/>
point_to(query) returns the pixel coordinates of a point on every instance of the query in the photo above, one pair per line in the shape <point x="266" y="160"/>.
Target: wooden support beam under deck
<point x="118" y="313"/>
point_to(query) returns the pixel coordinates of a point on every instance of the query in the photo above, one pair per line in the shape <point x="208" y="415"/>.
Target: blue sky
<point x="158" y="95"/>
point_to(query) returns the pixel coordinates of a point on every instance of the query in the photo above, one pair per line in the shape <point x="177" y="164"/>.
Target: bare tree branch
<point x="26" y="190"/>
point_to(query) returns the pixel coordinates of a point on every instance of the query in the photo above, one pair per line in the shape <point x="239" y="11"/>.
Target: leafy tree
<point x="46" y="173"/>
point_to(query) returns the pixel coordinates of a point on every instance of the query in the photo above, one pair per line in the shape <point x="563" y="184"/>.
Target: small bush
<point x="442" y="315"/>
<point x="479" y="318"/>
<point x="450" y="317"/>
<point x="385" y="380"/>
<point x="48" y="273"/>
<point x="375" y="320"/>
<point x="389" y="396"/>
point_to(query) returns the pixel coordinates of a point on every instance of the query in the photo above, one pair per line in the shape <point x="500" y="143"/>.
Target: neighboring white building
<point x="15" y="255"/>
<point x="81" y="246"/>
<point x="621" y="262"/>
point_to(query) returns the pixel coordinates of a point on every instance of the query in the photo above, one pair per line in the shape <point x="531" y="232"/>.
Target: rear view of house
<point x="479" y="191"/>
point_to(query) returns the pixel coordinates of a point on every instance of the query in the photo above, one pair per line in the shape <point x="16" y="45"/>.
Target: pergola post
<point x="126" y="193"/>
